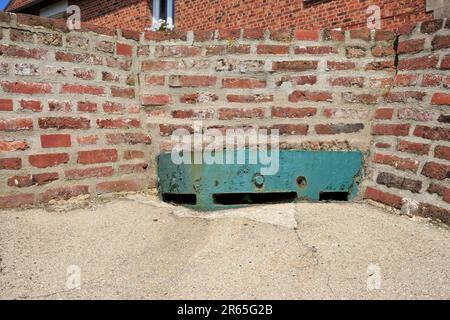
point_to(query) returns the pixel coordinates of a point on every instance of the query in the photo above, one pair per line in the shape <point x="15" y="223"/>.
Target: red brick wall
<point x="410" y="165"/>
<point x="70" y="123"/>
<point x="84" y="113"/>
<point x="281" y="14"/>
<point x="126" y="14"/>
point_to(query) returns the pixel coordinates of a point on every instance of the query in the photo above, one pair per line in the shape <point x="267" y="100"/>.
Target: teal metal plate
<point x="307" y="173"/>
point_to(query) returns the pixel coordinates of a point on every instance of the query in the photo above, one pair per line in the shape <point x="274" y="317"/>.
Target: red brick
<point x="227" y="34"/>
<point x="336" y="65"/>
<point x="411" y="46"/>
<point x="432" y="133"/>
<point x="85" y="106"/>
<point x="431" y="80"/>
<point x="176" y="81"/>
<point x="26" y="87"/>
<point x="334" y="35"/>
<point x="405" y="80"/>
<point x="120" y="186"/>
<point x="440" y="42"/>
<point x="445" y="64"/>
<point x="232" y="113"/>
<point x="384" y="113"/>
<point x="431" y="26"/>
<point x="118" y="123"/>
<point x="165" y="35"/>
<point x="155" y="80"/>
<point x="133" y="168"/>
<point x="80" y="174"/>
<point x="382" y="145"/>
<point x="338" y="128"/>
<point x="362" y="34"/>
<point x="288" y="112"/>
<point x="64" y="123"/>
<point x="48" y="160"/>
<point x="317" y="50"/>
<point x="128" y="93"/>
<point x="272" y="49"/>
<point x="347" y="82"/>
<point x="413" y="147"/>
<point x="253" y="34"/>
<point x="133" y="154"/>
<point x="31" y="105"/>
<point x="6" y="105"/>
<point x="316" y="96"/>
<point x="97" y="156"/>
<point x="113" y="107"/>
<point x="442" y="152"/>
<point x="442" y="99"/>
<point x="156" y="100"/>
<point x="281" y="35"/>
<point x="391" y="129"/>
<point x="399" y="163"/>
<point x="243" y="83"/>
<point x="56" y="141"/>
<point x="82" y="89"/>
<point x="414" y="114"/>
<point x="16" y="124"/>
<point x="296" y="65"/>
<point x="128" y="138"/>
<point x="10" y="146"/>
<point x="15" y="201"/>
<point x="63" y="193"/>
<point x="20" y="52"/>
<point x="306" y="35"/>
<point x="291" y="129"/>
<point x="30" y="180"/>
<point x="124" y="49"/>
<point x="405" y="96"/>
<point x="87" y="140"/>
<point x="215" y="50"/>
<point x="10" y="163"/>
<point x="432" y="212"/>
<point x="255" y="98"/>
<point x="64" y="106"/>
<point x="383" y="197"/>
<point x="436" y="170"/>
<point x="426" y="62"/>
<point x="167" y="129"/>
<point x="45" y="178"/>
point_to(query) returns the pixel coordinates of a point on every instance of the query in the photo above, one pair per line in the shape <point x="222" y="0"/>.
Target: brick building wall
<point x="127" y="14"/>
<point x="83" y="112"/>
<point x="410" y="162"/>
<point x="282" y="14"/>
<point x="70" y="123"/>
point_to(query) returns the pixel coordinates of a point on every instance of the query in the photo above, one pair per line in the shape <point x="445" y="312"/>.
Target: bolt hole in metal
<point x="301" y="182"/>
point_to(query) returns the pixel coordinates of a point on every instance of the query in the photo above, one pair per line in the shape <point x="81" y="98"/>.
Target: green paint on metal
<point x="310" y="174"/>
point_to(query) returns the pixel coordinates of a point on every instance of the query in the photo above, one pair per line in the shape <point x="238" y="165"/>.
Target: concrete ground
<point x="139" y="248"/>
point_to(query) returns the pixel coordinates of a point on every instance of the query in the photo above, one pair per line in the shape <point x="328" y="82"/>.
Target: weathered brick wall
<point x="130" y="14"/>
<point x="69" y="120"/>
<point x="278" y="14"/>
<point x="88" y="111"/>
<point x="410" y="166"/>
<point x="320" y="89"/>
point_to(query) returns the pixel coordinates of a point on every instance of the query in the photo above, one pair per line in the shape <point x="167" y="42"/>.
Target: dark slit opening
<point x="190" y="199"/>
<point x="333" y="196"/>
<point x="229" y="199"/>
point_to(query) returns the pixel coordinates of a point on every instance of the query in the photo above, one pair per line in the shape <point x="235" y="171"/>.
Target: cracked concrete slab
<point x="138" y="247"/>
